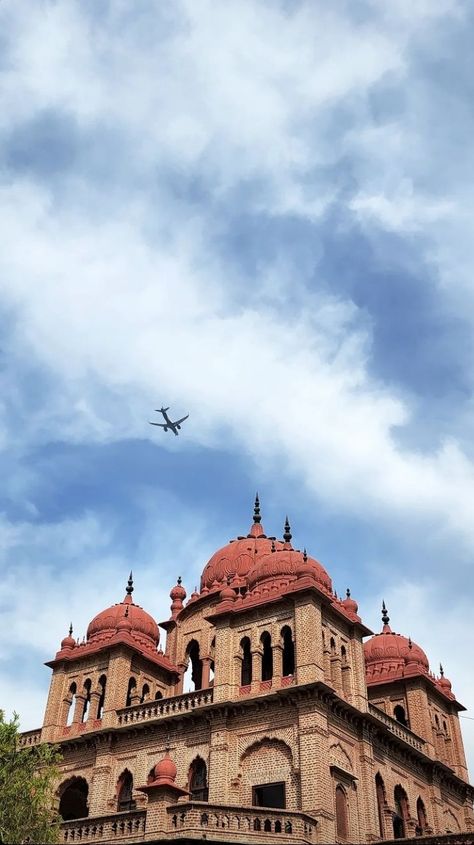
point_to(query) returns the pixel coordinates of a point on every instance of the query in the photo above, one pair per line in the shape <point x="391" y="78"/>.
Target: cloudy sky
<point x="259" y="213"/>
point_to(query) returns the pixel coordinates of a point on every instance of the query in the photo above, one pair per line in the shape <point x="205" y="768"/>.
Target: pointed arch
<point x="197" y="780"/>
<point x="381" y="800"/>
<point x="101" y="703"/>
<point x="246" y="665"/>
<point x="400" y="715"/>
<point x="71" y="703"/>
<point x="73" y="794"/>
<point x="87" y="698"/>
<point x="145" y="693"/>
<point x="401" y="814"/>
<point x="194" y="664"/>
<point x="421" y="816"/>
<point x="288" y="658"/>
<point x="131" y="690"/>
<point x="267" y="656"/>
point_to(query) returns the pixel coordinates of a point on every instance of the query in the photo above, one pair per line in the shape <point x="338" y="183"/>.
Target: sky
<point x="258" y="213"/>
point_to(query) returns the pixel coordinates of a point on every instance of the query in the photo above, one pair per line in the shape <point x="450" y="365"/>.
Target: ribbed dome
<point x="237" y="557"/>
<point x="286" y="564"/>
<point x="125" y="616"/>
<point x="389" y="647"/>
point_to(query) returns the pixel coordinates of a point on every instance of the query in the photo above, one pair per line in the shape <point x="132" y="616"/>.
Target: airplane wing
<point x="178" y="422"/>
<point x="161" y="425"/>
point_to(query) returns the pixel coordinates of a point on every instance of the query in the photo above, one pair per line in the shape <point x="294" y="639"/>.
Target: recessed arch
<point x="73" y="794"/>
<point x="125" y="801"/>
<point x="342" y="812"/>
<point x="197" y="780"/>
<point x="246" y="663"/>
<point x="288" y="657"/>
<point x="267" y="656"/>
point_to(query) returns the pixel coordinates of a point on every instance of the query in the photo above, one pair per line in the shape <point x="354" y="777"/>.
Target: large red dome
<point x="126" y="616"/>
<point x="286" y="564"/>
<point x="389" y="649"/>
<point x="238" y="556"/>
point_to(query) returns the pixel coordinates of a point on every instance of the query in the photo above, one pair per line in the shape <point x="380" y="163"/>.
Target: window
<point x="269" y="795"/>
<point x="158" y="695"/>
<point x="399" y="713"/>
<point x="267" y="826"/>
<point x="124" y="792"/>
<point x="342" y="821"/>
<point x="145" y="693"/>
<point x="72" y="703"/>
<point x="380" y="791"/>
<point x="198" y="780"/>
<point x="288" y="651"/>
<point x="87" y="698"/>
<point x="73" y="799"/>
<point x="421" y="814"/>
<point x="401" y="814"/>
<point x="267" y="656"/>
<point x="246" y="668"/>
<point x="100" y="706"/>
<point x="194" y="666"/>
<point x="132" y="688"/>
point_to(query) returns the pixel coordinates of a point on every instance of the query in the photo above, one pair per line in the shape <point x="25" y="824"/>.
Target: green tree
<point x="27" y="780"/>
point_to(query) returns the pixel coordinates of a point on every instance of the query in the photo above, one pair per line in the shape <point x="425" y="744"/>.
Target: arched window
<point x="332" y="645"/>
<point x="342" y="821"/>
<point x="421" y="814"/>
<point x="343" y="655"/>
<point x="400" y="816"/>
<point x="145" y="693"/>
<point x="445" y="727"/>
<point x="158" y="695"/>
<point x="72" y="703"/>
<point x="100" y="706"/>
<point x="288" y="651"/>
<point x="277" y="827"/>
<point x="436" y="721"/>
<point x="380" y="791"/>
<point x="194" y="666"/>
<point x="267" y="826"/>
<point x="125" y="800"/>
<point x="256" y="824"/>
<point x="132" y="687"/>
<point x="73" y="799"/>
<point x="399" y="713"/>
<point x="87" y="698"/>
<point x="246" y="668"/>
<point x="267" y="656"/>
<point x="197" y="779"/>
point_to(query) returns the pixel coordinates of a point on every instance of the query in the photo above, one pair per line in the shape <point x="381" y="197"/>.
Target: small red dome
<point x="69" y="641"/>
<point x="178" y="592"/>
<point x="165" y="769"/>
<point x="238" y="556"/>
<point x="349" y="603"/>
<point x="389" y="647"/>
<point x="125" y="615"/>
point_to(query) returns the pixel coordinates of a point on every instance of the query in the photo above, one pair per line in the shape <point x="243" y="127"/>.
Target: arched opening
<point x="131" y="690"/>
<point x="400" y="715"/>
<point x="72" y="703"/>
<point x="256" y="824"/>
<point x="277" y="827"/>
<point x="158" y="695"/>
<point x="436" y="721"/>
<point x="145" y="693"/>
<point x="73" y="799"/>
<point x="100" y="705"/>
<point x="342" y="820"/>
<point x="87" y="698"/>
<point x="400" y="816"/>
<point x="212" y="663"/>
<point x="197" y="780"/>
<point x="193" y="674"/>
<point x="288" y="667"/>
<point x="421" y="815"/>
<point x="267" y="826"/>
<point x="343" y="655"/>
<point x="125" y="800"/>
<point x="267" y="656"/>
<point x="246" y="668"/>
<point x="332" y="645"/>
<point x="380" y="791"/>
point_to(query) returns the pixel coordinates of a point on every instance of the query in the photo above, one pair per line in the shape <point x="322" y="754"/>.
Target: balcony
<point x="29" y="738"/>
<point x="164" y="707"/>
<point x="198" y="820"/>
<point x="398" y="729"/>
<point x="119" y="827"/>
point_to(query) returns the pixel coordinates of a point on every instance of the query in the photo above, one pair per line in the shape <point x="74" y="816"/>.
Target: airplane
<point x="169" y="424"/>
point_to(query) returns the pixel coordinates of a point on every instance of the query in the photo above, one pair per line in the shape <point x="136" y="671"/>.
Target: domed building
<point x="271" y="714"/>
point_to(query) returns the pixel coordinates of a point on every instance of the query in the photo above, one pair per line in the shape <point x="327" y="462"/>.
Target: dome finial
<point x="305" y="555"/>
<point x="441" y="670"/>
<point x="287" y="533"/>
<point x="348" y="593"/>
<point x="180" y="580"/>
<point x="385" y="616"/>
<point x="129" y="589"/>
<point x="256" y="510"/>
<point x="70" y="629"/>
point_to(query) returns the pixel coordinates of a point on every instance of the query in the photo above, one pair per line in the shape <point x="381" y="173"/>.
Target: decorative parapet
<point x="123" y="827"/>
<point x="199" y="820"/>
<point x="398" y="729"/>
<point x="164" y="707"/>
<point x="29" y="738"/>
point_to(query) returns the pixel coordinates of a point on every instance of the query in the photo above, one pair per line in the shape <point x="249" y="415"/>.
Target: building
<point x="296" y="730"/>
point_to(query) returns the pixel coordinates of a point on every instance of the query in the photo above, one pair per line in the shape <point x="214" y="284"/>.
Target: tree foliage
<point x="27" y="780"/>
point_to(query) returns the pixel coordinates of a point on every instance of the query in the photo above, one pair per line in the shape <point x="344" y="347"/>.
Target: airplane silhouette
<point x="169" y="424"/>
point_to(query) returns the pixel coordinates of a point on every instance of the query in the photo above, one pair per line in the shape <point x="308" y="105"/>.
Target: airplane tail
<point x="164" y="409"/>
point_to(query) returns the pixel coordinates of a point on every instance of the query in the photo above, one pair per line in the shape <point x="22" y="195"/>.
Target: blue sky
<point x="258" y="213"/>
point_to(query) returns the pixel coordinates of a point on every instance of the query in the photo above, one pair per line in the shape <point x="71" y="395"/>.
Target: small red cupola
<point x="124" y="616"/>
<point x="392" y="655"/>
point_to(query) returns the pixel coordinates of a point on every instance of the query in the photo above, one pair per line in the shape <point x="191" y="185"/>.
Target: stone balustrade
<point x="398" y="729"/>
<point x="123" y="827"/>
<point x="29" y="738"/>
<point x="199" y="820"/>
<point x="163" y="707"/>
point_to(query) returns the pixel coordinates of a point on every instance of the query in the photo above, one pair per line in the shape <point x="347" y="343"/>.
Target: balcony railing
<point x="165" y="707"/>
<point x="28" y="738"/>
<point x="397" y="728"/>
<point x="125" y="827"/>
<point x="197" y="820"/>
